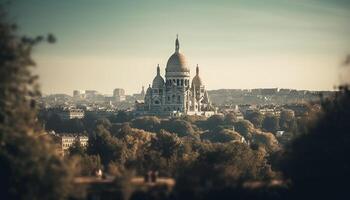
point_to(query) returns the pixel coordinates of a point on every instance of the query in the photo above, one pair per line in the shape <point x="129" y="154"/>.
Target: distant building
<point x="140" y="96"/>
<point x="299" y="109"/>
<point x="247" y="109"/>
<point x="269" y="91"/>
<point x="176" y="95"/>
<point x="71" y="113"/>
<point x="65" y="141"/>
<point x="119" y="94"/>
<point x="239" y="115"/>
<point x="90" y="93"/>
<point x="78" y="94"/>
<point x="270" y="111"/>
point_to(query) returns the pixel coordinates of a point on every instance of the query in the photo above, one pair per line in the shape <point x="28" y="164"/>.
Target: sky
<point x="107" y="44"/>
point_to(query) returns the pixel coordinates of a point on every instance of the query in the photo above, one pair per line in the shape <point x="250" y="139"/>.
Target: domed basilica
<point x="176" y="95"/>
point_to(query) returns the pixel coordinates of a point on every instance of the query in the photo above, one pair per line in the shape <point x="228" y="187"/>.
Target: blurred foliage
<point x="317" y="162"/>
<point x="29" y="165"/>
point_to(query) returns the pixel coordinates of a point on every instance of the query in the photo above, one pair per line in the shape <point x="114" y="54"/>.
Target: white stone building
<point x="176" y="95"/>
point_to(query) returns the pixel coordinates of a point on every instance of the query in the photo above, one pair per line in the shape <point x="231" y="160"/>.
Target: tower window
<point x="182" y="82"/>
<point x="177" y="82"/>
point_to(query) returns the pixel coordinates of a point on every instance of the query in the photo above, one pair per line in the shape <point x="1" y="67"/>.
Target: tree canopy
<point x="29" y="165"/>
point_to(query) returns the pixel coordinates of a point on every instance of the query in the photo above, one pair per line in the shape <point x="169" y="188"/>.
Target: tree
<point x="230" y="119"/>
<point x="193" y="118"/>
<point x="287" y="121"/>
<point x="271" y="123"/>
<point x="106" y="146"/>
<point x="180" y="127"/>
<point x="221" y="136"/>
<point x="121" y="117"/>
<point x="89" y="121"/>
<point x="167" y="144"/>
<point x="256" y="118"/>
<point x="74" y="126"/>
<point x="148" y="123"/>
<point x="265" y="139"/>
<point x="244" y="127"/>
<point x="123" y="131"/>
<point x="54" y="122"/>
<point x="77" y="149"/>
<point x="220" y="170"/>
<point x="29" y="166"/>
<point x="213" y="122"/>
<point x="318" y="162"/>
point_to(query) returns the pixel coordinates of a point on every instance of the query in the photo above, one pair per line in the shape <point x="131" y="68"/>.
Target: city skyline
<point x="248" y="44"/>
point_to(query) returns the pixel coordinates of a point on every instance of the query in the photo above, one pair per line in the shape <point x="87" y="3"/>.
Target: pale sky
<point x="107" y="44"/>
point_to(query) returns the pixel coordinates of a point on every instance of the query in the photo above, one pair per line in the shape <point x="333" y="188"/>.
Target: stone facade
<point x="176" y="95"/>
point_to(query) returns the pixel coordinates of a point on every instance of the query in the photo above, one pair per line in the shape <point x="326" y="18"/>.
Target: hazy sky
<point x="105" y="44"/>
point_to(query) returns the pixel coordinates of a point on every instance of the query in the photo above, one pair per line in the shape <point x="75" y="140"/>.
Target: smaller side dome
<point x="197" y="81"/>
<point x="158" y="81"/>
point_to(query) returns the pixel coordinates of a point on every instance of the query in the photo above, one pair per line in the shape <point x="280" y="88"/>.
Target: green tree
<point x="148" y="123"/>
<point x="244" y="127"/>
<point x="221" y="168"/>
<point x="121" y="117"/>
<point x="180" y="127"/>
<point x="29" y="166"/>
<point x="167" y="144"/>
<point x="123" y="130"/>
<point x="109" y="148"/>
<point x="318" y="162"/>
<point x="230" y="119"/>
<point x="77" y="149"/>
<point x="271" y="123"/>
<point x="266" y="140"/>
<point x="74" y="126"/>
<point x="256" y="118"/>
<point x="213" y="122"/>
<point x="287" y="121"/>
<point x="54" y="122"/>
<point x="221" y="136"/>
<point x="89" y="121"/>
<point x="88" y="164"/>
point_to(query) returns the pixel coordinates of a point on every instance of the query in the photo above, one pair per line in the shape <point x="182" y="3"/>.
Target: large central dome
<point x="177" y="61"/>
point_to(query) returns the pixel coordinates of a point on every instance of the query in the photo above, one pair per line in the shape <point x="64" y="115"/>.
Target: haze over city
<point x="174" y="99"/>
<point x="106" y="44"/>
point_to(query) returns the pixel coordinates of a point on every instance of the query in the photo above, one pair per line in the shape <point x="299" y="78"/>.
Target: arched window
<point x="182" y="82"/>
<point x="177" y="82"/>
<point x="156" y="102"/>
